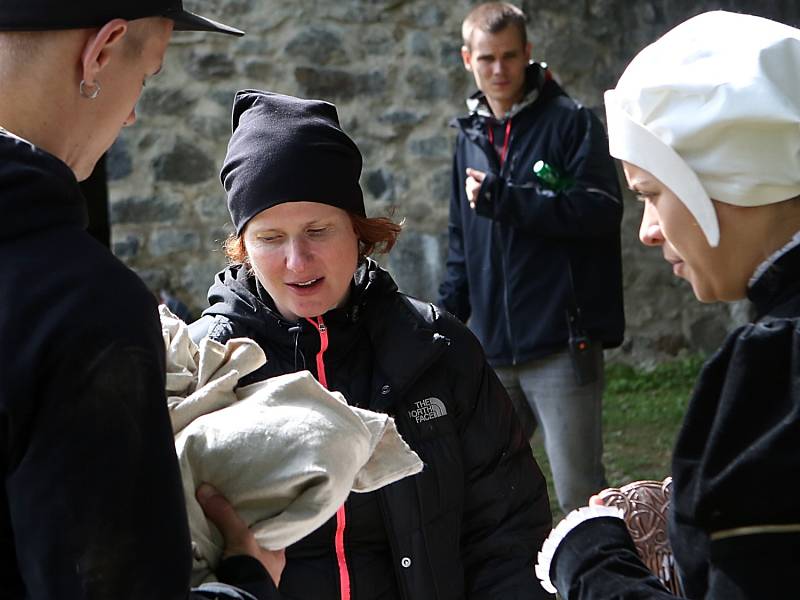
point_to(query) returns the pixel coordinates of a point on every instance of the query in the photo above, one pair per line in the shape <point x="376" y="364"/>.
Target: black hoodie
<point x="92" y="505"/>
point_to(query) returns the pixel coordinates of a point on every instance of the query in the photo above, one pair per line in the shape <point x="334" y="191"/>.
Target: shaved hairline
<point x="138" y="32"/>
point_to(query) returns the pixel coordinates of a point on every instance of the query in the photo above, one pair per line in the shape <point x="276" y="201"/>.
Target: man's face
<point x="498" y="62"/>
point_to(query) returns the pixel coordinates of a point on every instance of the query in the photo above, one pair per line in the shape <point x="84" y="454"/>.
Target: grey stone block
<point x="419" y="44"/>
<point x="119" y="163"/>
<point x="318" y="46"/>
<point x="165" y="101"/>
<point x="210" y="65"/>
<point x="402" y="117"/>
<point x="417" y="263"/>
<point x="136" y="209"/>
<point x="380" y="184"/>
<point x="427" y="84"/>
<point x="436" y="146"/>
<point x="184" y="162"/>
<point x="127" y="247"/>
<point x="339" y="83"/>
<point x="164" y="242"/>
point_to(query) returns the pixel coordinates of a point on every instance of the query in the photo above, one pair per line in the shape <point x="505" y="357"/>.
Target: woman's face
<point x="715" y="273"/>
<point x="304" y="254"/>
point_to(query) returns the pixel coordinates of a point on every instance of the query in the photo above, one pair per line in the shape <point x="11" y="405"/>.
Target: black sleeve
<point x="597" y="560"/>
<point x="591" y="207"/>
<point x="454" y="291"/>
<point x="506" y="507"/>
<point x="250" y="577"/>
<point x="735" y="449"/>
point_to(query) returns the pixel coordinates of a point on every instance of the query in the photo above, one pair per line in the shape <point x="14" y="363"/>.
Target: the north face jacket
<point x="91" y="503"/>
<point x="470" y="524"/>
<point x="526" y="255"/>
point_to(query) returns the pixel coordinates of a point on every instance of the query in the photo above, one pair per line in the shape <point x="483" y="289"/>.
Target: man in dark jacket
<point x="534" y="260"/>
<point x="91" y="504"/>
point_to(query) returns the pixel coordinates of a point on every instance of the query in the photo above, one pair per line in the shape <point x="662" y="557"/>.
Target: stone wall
<point x="394" y="71"/>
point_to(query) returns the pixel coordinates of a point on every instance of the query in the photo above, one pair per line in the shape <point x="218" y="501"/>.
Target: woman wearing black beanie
<point x="301" y="284"/>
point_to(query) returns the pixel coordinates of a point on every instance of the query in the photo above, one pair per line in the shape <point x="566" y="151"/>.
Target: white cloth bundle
<point x="286" y="452"/>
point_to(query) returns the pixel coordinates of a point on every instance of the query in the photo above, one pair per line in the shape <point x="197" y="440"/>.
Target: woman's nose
<point x="296" y="256"/>
<point x="650" y="233"/>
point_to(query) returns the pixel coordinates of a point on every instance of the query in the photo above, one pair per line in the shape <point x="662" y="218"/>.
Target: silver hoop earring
<point x="95" y="89"/>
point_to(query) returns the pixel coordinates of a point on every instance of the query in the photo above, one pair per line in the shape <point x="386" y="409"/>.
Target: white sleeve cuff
<point x="567" y="524"/>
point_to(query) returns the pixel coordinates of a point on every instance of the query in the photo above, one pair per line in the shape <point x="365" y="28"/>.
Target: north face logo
<point x="430" y="408"/>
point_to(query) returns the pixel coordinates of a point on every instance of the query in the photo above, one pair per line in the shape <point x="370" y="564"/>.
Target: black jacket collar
<point x="401" y="330"/>
<point x="540" y="88"/>
<point x="475" y="125"/>
<point x="777" y="281"/>
<point x="536" y="75"/>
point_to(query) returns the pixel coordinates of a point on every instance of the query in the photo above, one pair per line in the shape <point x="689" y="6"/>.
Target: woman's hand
<point x="238" y="537"/>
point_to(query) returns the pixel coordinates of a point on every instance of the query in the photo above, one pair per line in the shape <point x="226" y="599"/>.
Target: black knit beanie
<point x="287" y="149"/>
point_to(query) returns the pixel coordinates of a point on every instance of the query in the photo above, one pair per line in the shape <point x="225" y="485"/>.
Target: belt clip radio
<point x="581" y="351"/>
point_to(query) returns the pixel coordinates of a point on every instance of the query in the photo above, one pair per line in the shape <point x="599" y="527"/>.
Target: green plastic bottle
<point x="551" y="178"/>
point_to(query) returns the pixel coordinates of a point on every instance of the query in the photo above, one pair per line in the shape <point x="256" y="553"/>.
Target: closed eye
<point x="268" y="238"/>
<point x="642" y="196"/>
<point x="317" y="231"/>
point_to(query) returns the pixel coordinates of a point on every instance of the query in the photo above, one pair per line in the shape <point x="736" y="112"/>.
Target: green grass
<point x="642" y="411"/>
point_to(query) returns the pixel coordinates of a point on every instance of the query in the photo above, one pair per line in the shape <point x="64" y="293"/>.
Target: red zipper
<point x="341" y="521"/>
<point x="319" y="325"/>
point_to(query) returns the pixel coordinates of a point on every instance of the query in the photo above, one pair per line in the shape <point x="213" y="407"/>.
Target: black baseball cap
<point x="44" y="15"/>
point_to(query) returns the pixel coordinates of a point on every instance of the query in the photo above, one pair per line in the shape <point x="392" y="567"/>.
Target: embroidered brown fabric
<point x="644" y="505"/>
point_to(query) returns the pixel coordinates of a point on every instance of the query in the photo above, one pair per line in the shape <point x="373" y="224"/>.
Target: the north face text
<point x="430" y="408"/>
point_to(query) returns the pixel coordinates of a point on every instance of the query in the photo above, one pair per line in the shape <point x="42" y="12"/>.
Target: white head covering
<point x="712" y="109"/>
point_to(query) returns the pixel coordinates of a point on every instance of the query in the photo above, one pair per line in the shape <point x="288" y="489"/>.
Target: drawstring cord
<point x="296" y="331"/>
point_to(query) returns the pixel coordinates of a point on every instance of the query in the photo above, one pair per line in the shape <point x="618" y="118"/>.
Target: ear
<point x="99" y="47"/>
<point x="528" y="50"/>
<point x="466" y="56"/>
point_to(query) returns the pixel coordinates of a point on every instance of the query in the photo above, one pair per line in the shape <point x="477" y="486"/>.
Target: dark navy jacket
<point x="91" y="504"/>
<point x="510" y="260"/>
<point x="735" y="516"/>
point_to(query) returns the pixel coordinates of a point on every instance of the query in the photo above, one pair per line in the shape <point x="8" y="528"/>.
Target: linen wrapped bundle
<point x="286" y="452"/>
